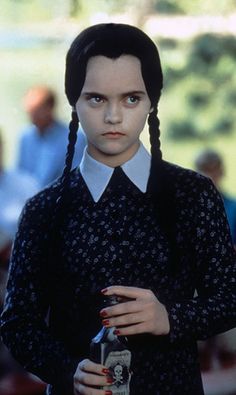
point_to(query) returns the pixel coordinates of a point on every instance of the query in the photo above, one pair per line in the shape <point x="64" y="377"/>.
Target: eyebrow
<point x="129" y="93"/>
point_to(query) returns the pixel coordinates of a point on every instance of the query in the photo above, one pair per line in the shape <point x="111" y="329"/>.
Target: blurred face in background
<point x="215" y="171"/>
<point x="39" y="108"/>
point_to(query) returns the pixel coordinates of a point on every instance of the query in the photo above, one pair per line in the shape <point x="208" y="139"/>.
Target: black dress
<point x="118" y="240"/>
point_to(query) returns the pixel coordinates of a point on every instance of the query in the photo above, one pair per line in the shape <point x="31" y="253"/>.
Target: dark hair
<point x="113" y="40"/>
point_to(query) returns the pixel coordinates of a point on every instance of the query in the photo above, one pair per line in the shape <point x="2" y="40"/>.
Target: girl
<point x="127" y="224"/>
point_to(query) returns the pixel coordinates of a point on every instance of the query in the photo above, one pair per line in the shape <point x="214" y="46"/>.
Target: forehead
<point x="124" y="71"/>
<point x="35" y="99"/>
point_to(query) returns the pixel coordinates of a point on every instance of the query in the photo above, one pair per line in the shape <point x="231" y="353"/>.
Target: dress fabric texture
<point x="53" y="301"/>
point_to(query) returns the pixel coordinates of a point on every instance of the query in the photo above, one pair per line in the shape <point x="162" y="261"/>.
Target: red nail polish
<point x="103" y="313"/>
<point x="117" y="332"/>
<point x="109" y="380"/>
<point x="105" y="322"/>
<point x="104" y="290"/>
<point x="105" y="371"/>
<point x="108" y="393"/>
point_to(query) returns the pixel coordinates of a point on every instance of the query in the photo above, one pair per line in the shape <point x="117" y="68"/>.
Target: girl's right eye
<point x="95" y="100"/>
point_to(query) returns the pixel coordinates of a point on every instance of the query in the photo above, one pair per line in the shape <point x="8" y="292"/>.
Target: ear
<point x="151" y="110"/>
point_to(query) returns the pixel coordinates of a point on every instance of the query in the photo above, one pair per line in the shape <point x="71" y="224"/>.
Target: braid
<point x="154" y="130"/>
<point x="73" y="127"/>
<point x="63" y="195"/>
<point x="63" y="192"/>
<point x="160" y="188"/>
<point x="156" y="161"/>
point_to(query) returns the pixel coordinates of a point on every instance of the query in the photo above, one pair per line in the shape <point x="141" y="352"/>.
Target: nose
<point x="113" y="114"/>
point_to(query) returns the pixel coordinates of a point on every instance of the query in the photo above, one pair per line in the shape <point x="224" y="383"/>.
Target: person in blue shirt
<point x="210" y="163"/>
<point x="15" y="188"/>
<point x="43" y="143"/>
<point x="124" y="223"/>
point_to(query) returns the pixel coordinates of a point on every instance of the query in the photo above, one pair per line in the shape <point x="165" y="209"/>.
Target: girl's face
<point x="113" y="107"/>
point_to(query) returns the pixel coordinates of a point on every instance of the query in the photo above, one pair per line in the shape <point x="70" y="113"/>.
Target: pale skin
<point x="112" y="109"/>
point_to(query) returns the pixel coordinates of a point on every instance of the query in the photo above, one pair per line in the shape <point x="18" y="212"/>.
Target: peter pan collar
<point x="97" y="175"/>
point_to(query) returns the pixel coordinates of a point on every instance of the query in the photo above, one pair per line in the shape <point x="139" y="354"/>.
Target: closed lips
<point x="114" y="133"/>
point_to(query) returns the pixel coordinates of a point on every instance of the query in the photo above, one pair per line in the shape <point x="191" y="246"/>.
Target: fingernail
<point x="104" y="290"/>
<point x="105" y="322"/>
<point x="109" y="380"/>
<point x="108" y="393"/>
<point x="105" y="371"/>
<point x="103" y="313"/>
<point x="116" y="332"/>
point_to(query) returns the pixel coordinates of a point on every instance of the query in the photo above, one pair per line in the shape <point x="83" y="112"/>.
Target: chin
<point x="114" y="150"/>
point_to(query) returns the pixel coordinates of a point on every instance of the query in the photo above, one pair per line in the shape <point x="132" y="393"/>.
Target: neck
<point x="113" y="160"/>
<point x="43" y="127"/>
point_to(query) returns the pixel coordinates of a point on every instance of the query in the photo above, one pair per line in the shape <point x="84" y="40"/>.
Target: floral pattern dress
<point x="59" y="267"/>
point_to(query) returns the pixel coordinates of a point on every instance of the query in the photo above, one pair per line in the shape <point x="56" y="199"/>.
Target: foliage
<point x="35" y="10"/>
<point x="200" y="85"/>
<point x="168" y="7"/>
<point x="196" y="7"/>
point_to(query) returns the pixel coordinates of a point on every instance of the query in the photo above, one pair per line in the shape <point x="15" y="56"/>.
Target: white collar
<point x="97" y="175"/>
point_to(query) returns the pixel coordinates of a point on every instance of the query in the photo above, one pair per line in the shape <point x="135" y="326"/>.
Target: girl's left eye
<point x="132" y="99"/>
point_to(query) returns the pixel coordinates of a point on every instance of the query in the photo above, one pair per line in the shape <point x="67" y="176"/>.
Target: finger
<point x="87" y="365"/>
<point x="92" y="380"/>
<point x="127" y="292"/>
<point x="125" y="320"/>
<point x="121" y="309"/>
<point x="135" y="329"/>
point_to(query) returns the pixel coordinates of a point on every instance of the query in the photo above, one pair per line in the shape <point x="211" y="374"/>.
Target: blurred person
<point x="219" y="352"/>
<point x="210" y="163"/>
<point x="43" y="143"/>
<point x="15" y="188"/>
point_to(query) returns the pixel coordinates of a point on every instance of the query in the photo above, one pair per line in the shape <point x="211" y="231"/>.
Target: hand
<point x="143" y="314"/>
<point x="90" y="375"/>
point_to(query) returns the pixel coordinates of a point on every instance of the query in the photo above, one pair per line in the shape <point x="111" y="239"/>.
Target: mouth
<point x="113" y="134"/>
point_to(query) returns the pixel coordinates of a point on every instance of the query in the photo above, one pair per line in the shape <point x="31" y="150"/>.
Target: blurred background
<point x="198" y="51"/>
<point x="197" y="44"/>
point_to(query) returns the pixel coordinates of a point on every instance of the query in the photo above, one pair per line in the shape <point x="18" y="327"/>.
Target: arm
<point x="21" y="155"/>
<point x="213" y="310"/>
<point x="24" y="329"/>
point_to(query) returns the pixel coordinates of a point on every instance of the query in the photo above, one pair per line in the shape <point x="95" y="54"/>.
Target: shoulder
<point x="185" y="177"/>
<point x="22" y="181"/>
<point x="61" y="126"/>
<point x="190" y="185"/>
<point x="49" y="197"/>
<point x="28" y="132"/>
